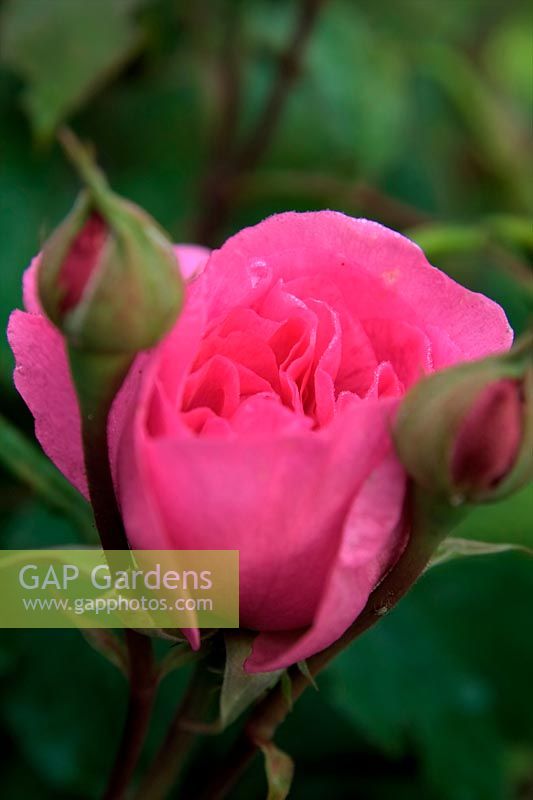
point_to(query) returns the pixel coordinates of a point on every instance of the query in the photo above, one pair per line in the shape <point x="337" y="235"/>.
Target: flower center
<point x="297" y="359"/>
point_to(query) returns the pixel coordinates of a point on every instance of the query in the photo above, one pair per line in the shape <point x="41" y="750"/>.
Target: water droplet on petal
<point x="258" y="271"/>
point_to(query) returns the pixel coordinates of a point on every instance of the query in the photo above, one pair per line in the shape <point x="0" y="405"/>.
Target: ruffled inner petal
<point x="298" y="349"/>
<point x="406" y="348"/>
<point x="385" y="383"/>
<point x="216" y="386"/>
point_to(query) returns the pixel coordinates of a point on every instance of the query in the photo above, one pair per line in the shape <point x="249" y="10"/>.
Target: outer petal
<point x="29" y="288"/>
<point x="42" y="376"/>
<point x="43" y="379"/>
<point x="372" y="540"/>
<point x="374" y="271"/>
<point x="192" y="259"/>
<point x="281" y="500"/>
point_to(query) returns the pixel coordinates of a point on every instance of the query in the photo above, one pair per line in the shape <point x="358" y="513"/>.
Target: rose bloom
<point x="262" y="421"/>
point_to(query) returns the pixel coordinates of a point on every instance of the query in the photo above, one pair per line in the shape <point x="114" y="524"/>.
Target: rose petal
<point x="43" y="379"/>
<point x="378" y="272"/>
<point x="280" y="500"/>
<point x="29" y="288"/>
<point x="215" y="386"/>
<point x="372" y="540"/>
<point x="192" y="259"/>
<point x="141" y="506"/>
<point x="407" y="348"/>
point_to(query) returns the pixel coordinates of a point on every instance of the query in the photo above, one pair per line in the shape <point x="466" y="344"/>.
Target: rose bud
<point x="108" y="276"/>
<point x="488" y="441"/>
<point x="468" y="431"/>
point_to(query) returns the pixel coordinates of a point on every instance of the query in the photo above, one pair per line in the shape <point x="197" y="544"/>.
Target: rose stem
<point x="225" y="168"/>
<point x="430" y="526"/>
<point x="143" y="682"/>
<point x="97" y="380"/>
<point x="171" y="757"/>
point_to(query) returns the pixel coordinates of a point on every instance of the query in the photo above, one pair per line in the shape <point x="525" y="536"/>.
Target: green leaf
<point x="240" y="689"/>
<point x="28" y="464"/>
<point x="279" y="771"/>
<point x="452" y="548"/>
<point x="65" y="50"/>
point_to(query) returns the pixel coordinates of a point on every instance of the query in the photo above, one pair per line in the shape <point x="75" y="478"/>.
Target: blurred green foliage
<point x="414" y="113"/>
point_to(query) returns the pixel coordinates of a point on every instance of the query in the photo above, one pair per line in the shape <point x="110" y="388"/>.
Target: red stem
<point x="143" y="682"/>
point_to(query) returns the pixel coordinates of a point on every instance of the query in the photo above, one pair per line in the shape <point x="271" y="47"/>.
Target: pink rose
<point x="262" y="422"/>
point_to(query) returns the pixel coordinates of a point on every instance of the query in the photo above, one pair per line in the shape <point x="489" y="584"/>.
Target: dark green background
<point x="413" y="112"/>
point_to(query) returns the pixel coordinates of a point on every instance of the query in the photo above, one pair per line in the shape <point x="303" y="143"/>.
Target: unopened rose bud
<point x="108" y="277"/>
<point x="467" y="432"/>
<point x="488" y="441"/>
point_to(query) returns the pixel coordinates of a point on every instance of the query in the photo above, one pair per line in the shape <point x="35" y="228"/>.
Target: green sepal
<point x="452" y="548"/>
<point x="279" y="768"/>
<point x="431" y="415"/>
<point x="241" y="689"/>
